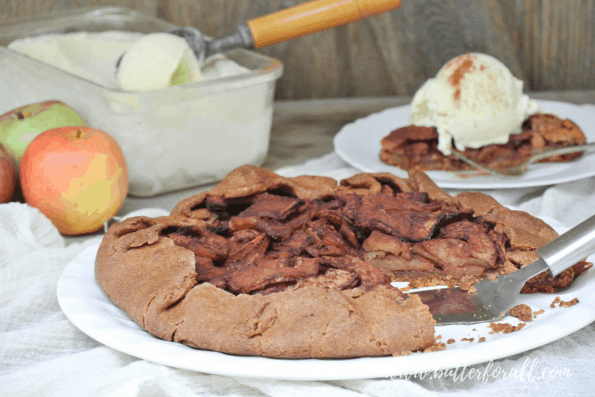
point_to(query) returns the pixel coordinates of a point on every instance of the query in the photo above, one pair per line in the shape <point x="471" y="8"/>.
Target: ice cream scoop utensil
<point x="291" y="23"/>
<point x="492" y="299"/>
<point x="520" y="169"/>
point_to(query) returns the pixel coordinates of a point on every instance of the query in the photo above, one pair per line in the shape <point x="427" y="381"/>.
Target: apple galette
<point x="302" y="267"/>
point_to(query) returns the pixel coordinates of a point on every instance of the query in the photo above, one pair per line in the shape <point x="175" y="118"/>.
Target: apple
<point x="8" y="176"/>
<point x="76" y="176"/>
<point x="19" y="126"/>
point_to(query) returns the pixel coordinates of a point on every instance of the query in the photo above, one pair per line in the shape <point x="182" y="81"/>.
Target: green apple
<point x="19" y="126"/>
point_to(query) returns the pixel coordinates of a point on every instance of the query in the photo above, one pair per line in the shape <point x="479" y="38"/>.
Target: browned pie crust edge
<point x="154" y="280"/>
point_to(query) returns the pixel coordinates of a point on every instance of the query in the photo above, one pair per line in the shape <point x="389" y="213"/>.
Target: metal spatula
<point x="493" y="299"/>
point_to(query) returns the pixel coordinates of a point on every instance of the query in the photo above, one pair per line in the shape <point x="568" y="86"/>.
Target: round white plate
<point x="92" y="311"/>
<point x="358" y="144"/>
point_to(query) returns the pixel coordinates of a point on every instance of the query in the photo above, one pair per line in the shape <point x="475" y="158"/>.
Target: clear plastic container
<point x="174" y="138"/>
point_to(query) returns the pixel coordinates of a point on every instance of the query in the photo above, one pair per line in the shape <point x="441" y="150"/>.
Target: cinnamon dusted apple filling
<point x="277" y="243"/>
<point x="272" y="241"/>
<point x="417" y="147"/>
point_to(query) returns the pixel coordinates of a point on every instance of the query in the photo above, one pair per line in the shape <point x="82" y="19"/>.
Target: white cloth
<point x="43" y="354"/>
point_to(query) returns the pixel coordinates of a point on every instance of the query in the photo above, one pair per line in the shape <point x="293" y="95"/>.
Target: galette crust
<point x="347" y="311"/>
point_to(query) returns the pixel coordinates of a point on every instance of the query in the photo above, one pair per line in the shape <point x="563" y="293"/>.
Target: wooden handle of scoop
<point x="312" y="17"/>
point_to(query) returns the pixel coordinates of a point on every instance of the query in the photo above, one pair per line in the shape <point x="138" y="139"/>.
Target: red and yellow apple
<point x="76" y="176"/>
<point x="20" y="126"/>
<point x="8" y="176"/>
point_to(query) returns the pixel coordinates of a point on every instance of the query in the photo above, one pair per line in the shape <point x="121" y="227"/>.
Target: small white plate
<point x="86" y="305"/>
<point x="358" y="143"/>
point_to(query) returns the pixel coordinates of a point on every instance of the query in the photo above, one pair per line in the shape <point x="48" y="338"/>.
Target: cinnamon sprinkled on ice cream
<point x="464" y="65"/>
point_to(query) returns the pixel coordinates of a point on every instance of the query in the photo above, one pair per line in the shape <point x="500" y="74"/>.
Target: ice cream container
<point x="173" y="138"/>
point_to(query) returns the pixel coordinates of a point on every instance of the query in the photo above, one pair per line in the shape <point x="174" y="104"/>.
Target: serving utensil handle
<point x="570" y="247"/>
<point x="312" y="17"/>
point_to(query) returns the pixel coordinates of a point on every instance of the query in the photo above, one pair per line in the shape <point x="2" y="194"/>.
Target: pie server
<point x="492" y="299"/>
<point x="291" y="23"/>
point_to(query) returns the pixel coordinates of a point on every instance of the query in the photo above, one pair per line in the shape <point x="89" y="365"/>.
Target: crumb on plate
<point x="505" y="328"/>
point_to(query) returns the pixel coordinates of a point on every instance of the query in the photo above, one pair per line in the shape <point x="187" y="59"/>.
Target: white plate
<point x="358" y="144"/>
<point x="92" y="311"/>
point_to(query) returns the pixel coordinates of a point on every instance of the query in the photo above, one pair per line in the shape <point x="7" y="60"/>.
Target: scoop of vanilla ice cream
<point x="474" y="100"/>
<point x="158" y="60"/>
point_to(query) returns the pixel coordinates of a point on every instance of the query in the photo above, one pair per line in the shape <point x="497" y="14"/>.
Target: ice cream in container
<point x="207" y="121"/>
<point x="178" y="124"/>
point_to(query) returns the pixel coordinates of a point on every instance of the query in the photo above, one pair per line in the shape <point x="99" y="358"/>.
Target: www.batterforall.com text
<point x="529" y="372"/>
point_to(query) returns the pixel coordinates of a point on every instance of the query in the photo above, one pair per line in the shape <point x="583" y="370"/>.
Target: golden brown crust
<point x="524" y="230"/>
<point x="249" y="180"/>
<point x="297" y="267"/>
<point x="154" y="281"/>
<point x="525" y="233"/>
<point x="310" y="322"/>
<point x="423" y="183"/>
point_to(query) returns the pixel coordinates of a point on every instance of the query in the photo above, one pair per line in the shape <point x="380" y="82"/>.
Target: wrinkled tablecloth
<point x="43" y="354"/>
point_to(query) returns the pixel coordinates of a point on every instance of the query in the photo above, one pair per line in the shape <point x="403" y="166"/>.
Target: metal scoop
<point x="301" y="20"/>
<point x="493" y="299"/>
